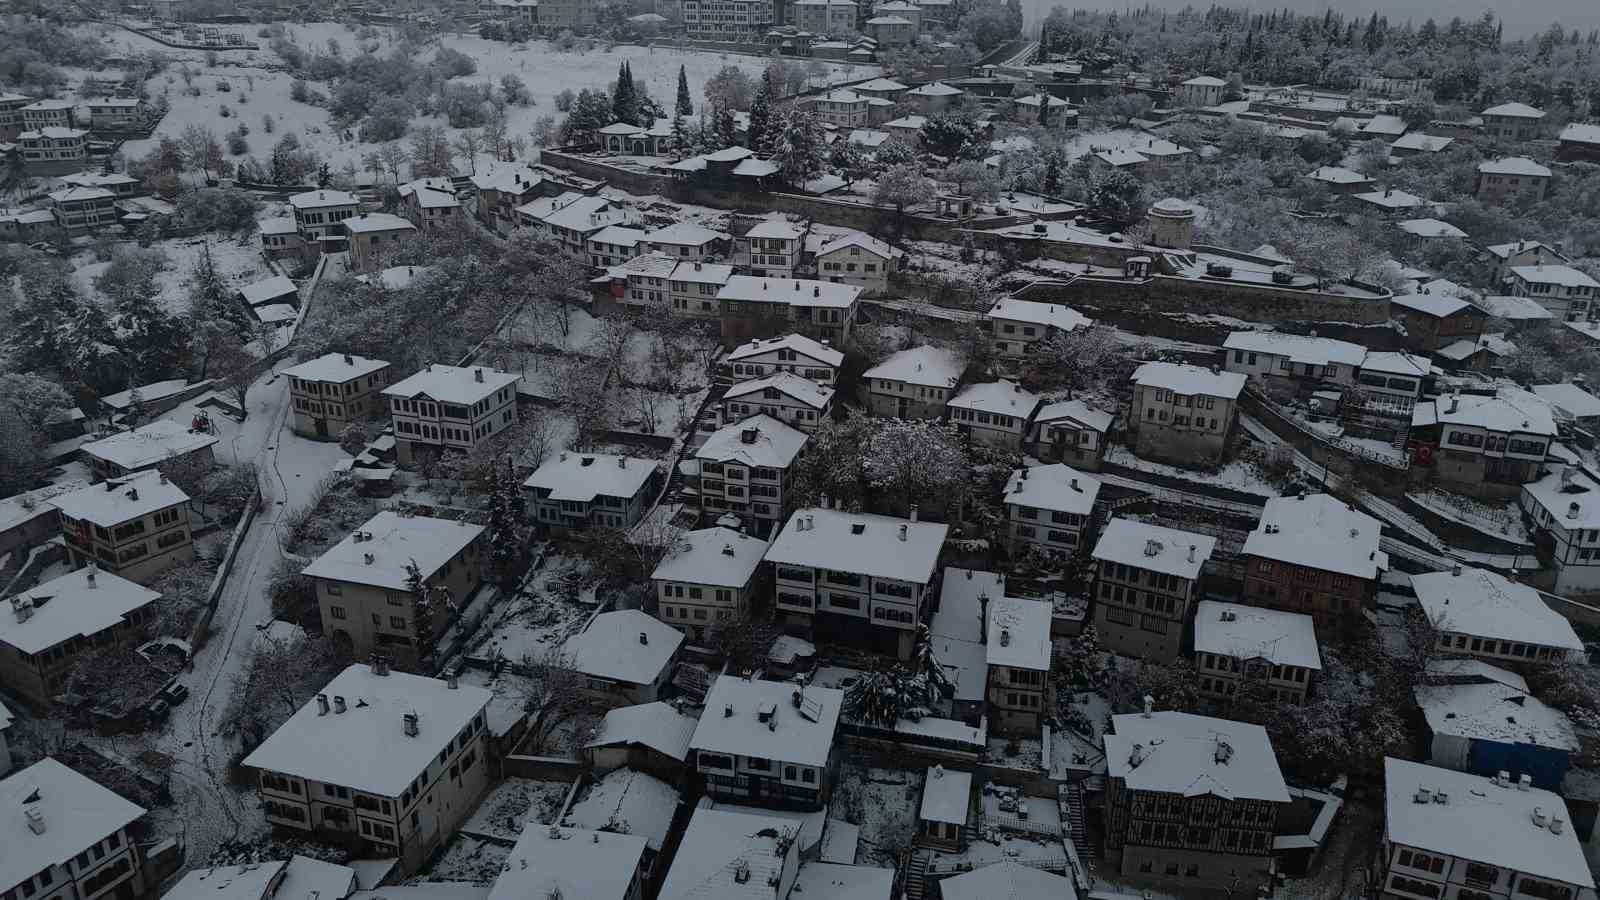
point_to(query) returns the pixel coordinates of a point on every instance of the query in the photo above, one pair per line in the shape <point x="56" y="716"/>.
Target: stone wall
<point x="630" y="180"/>
<point x="1174" y="294"/>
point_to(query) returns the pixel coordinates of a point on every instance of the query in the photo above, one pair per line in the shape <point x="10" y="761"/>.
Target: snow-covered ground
<point x="514" y="804"/>
<point x="239" y="262"/>
<point x="534" y="626"/>
<point x="1500" y="520"/>
<point x="1238" y="475"/>
<point x="884" y="803"/>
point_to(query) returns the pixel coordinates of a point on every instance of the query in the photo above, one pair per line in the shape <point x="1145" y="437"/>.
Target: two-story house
<point x="67" y="837"/>
<point x="1183" y="413"/>
<point x="1316" y="555"/>
<point x="1458" y="835"/>
<point x="1488" y="728"/>
<point x="686" y="241"/>
<point x="915" y="383"/>
<point x="744" y="470"/>
<point x="390" y="762"/>
<point x="548" y="861"/>
<point x="502" y="188"/>
<point x="1515" y="122"/>
<point x="793" y="353"/>
<point x="1200" y="91"/>
<point x="1434" y="321"/>
<point x="728" y="20"/>
<point x="860" y="259"/>
<point x="1481" y="614"/>
<point x="364" y="583"/>
<point x="793" y="399"/>
<point x="1514" y="179"/>
<point x="430" y="203"/>
<point x="647" y="278"/>
<point x="1340" y="181"/>
<point x="82" y="209"/>
<point x="934" y="97"/>
<point x="51" y="149"/>
<point x="1071" y="432"/>
<point x="1486" y="445"/>
<point x="768" y="743"/>
<point x="771" y="249"/>
<point x="623" y="657"/>
<point x="857" y="578"/>
<point x="135" y="527"/>
<point x="1500" y="259"/>
<point x="841" y="107"/>
<point x="708" y="580"/>
<point x="280" y="237"/>
<point x="11" y="109"/>
<point x="693" y="288"/>
<point x="823" y="16"/>
<point x="1021" y="694"/>
<point x="450" y="408"/>
<point x="1564" y="508"/>
<point x="995" y="413"/>
<point x="1019" y="325"/>
<point x="736" y="853"/>
<point x="1275" y="651"/>
<point x="159" y="443"/>
<point x="333" y="391"/>
<point x="318" y="216"/>
<point x="571" y="218"/>
<point x="51" y="626"/>
<point x="1147" y="580"/>
<point x="1568" y="294"/>
<point x="572" y="492"/>
<point x="1192" y="802"/>
<point x="1292" y="362"/>
<point x="1578" y="142"/>
<point x="754" y="306"/>
<point x="1048" y="510"/>
<point x="374" y="238"/>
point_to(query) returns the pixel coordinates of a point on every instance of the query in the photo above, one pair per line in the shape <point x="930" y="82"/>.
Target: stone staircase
<point x="915" y="878"/>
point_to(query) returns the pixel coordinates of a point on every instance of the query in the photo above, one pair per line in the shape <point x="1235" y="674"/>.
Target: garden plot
<point x="884" y="803"/>
<point x="473" y="859"/>
<point x="532" y="626"/>
<point x="516" y="803"/>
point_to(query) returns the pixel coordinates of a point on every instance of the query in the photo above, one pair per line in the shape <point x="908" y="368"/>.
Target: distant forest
<point x="1464" y="63"/>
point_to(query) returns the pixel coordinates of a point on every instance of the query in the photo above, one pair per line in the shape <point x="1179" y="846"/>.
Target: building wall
<point x="383" y="620"/>
<point x="900" y="400"/>
<point x="369" y="249"/>
<point x="102" y="469"/>
<point x="1052" y="533"/>
<point x="865" y="270"/>
<point x="1209" y="862"/>
<point x="756" y="494"/>
<point x="113" y="868"/>
<point x="1512" y="128"/>
<point x="1159" y="433"/>
<point x="418" y="431"/>
<point x="1081" y="448"/>
<point x="318" y="417"/>
<point x="1495" y="189"/>
<point x="1332" y="600"/>
<point x="1221" y="676"/>
<point x="148" y="545"/>
<point x="784" y="408"/>
<point x="1141" y="613"/>
<point x="1019" y="699"/>
<point x="803" y="593"/>
<point x="697" y="609"/>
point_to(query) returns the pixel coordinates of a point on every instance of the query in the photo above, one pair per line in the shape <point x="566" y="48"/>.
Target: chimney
<point x="983" y="617"/>
<point x="1455" y="569"/>
<point x="727" y="550"/>
<point x="622" y="462"/>
<point x="477" y="375"/>
<point x="1556" y="824"/>
<point x="1149" y="705"/>
<point x="797" y="285"/>
<point x="1572" y="510"/>
<point x="35" y="820"/>
<point x="902" y="533"/>
<point x="451" y="680"/>
<point x="747" y="436"/>
<point x="1539" y="817"/>
<point x="644" y="639"/>
<point x="1137" y="757"/>
<point x="338" y="705"/>
<point x="380" y="665"/>
<point x="1191" y="553"/>
<point x="322" y="704"/>
<point x="1005" y="637"/>
<point x="913" y="512"/>
<point x="88" y="576"/>
<point x="816" y="291"/>
<point x="348" y="360"/>
<point x="410" y="722"/>
<point x="1525" y="782"/>
<point x="368" y="558"/>
<point x="133" y="493"/>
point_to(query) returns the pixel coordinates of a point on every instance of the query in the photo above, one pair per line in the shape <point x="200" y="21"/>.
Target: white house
<point x="1481" y="614"/>
<point x="1492" y="445"/>
<point x="1292" y="359"/>
<point x="577" y="491"/>
<point x="860" y="259"/>
<point x="693" y="287"/>
<point x="1147" y="579"/>
<point x="1071" y="432"/>
<point x="66" y="837"/>
<point x="688" y="241"/>
<point x="648" y="278"/>
<point x="744" y="470"/>
<point x="1568" y="294"/>
<point x="1183" y="412"/>
<point x="1200" y="91"/>
<point x="793" y="399"/>
<point x="612" y="245"/>
<point x="1565" y="509"/>
<point x="995" y="413"/>
<point x="767" y="743"/>
<point x="772" y="248"/>
<point x="148" y="447"/>
<point x="318" y="214"/>
<point x="1512" y="121"/>
<point x="430" y="202"/>
<point x="858" y="577"/>
<point x="450" y="408"/>
<point x="1019" y="325"/>
<point x="395" y="761"/>
<point x="625" y="657"/>
<point x="571" y="218"/>
<point x="914" y="383"/>
<point x="708" y="580"/>
<point x="1048" y="509"/>
<point x="1234" y="643"/>
<point x="1454" y="834"/>
<point x="793" y="353"/>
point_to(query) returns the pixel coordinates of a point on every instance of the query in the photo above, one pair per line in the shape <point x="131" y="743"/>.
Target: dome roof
<point x="1172" y="206"/>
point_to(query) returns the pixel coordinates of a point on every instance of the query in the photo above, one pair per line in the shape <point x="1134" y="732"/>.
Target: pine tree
<point x="681" y="139"/>
<point x="625" y="103"/>
<point x="727" y="128"/>
<point x="507" y="512"/>
<point x="149" y="334"/>
<point x="685" y="103"/>
<point x="799" y="147"/>
<point x="759" y="137"/>
<point x="425" y="602"/>
<point x="212" y="299"/>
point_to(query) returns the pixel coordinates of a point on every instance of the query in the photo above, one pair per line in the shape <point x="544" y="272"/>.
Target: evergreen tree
<point x="150" y="335"/>
<point x="685" y="104"/>
<point x="507" y="512"/>
<point x="727" y="128"/>
<point x="425" y="602"/>
<point x="682" y="140"/>
<point x="625" y="103"/>
<point x="799" y="147"/>
<point x="760" y="138"/>
<point x="213" y="299"/>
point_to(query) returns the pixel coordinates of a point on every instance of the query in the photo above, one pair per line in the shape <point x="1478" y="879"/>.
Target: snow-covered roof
<point x="77" y="814"/>
<point x="1120" y="156"/>
<point x="1055" y="315"/>
<point x="1337" y="175"/>
<point x="1057" y="487"/>
<point x="1157" y="548"/>
<point x="617" y="235"/>
<point x="1494" y="712"/>
<point x="695" y="272"/>
<point x="1580" y="133"/>
<point x="1041" y="99"/>
<point x="1438" y="305"/>
<point x="1513" y="165"/>
<point x="148" y="445"/>
<point x="1430" y="228"/>
<point x="630" y="802"/>
<point x="936" y="89"/>
<point x="1507" y="250"/>
<point x="1384" y="125"/>
<point x="1468" y="671"/>
<point x="946" y="795"/>
<point x="465" y="385"/>
<point x="648" y="265"/>
<point x="863" y="543"/>
<point x="775" y="444"/>
<point x="909" y="123"/>
<point x="1320" y="532"/>
<point x="1425" y="143"/>
<point x="305" y="876"/>
<point x="925" y="365"/>
<point x="1318" y="351"/>
<point x="570" y="863"/>
<point x="1569" y="398"/>
<point x="53" y="132"/>
<point x="98" y="179"/>
<point x="1006" y="398"/>
<point x="659" y="726"/>
<point x="622" y="128"/>
<point x="1248" y="632"/>
<point x="119" y="500"/>
<point x="153" y="391"/>
<point x="67" y="195"/>
<point x="1558" y="498"/>
<point x="512" y="179"/>
<point x="48" y="104"/>
<point x="577" y="212"/>
<point x="775" y="229"/>
<point x="793" y="291"/>
<point x="72" y="606"/>
<point x="277" y="225"/>
<point x="881" y="85"/>
<point x="365" y="747"/>
<point x="250" y="881"/>
<point x="1077" y="411"/>
<point x="1206" y="81"/>
<point x="431" y="193"/>
<point x="1019" y="633"/>
<point x="1480" y="821"/>
<point x="322" y="198"/>
<point x="685" y="234"/>
<point x="733" y="721"/>
<point x="960" y="612"/>
<point x="1008" y="880"/>
<point x="1510" y="410"/>
<point x="789" y="384"/>
<point x="268" y="290"/>
<point x="335" y="368"/>
<point x="369" y="223"/>
<point x="868" y="137"/>
<point x="843" y="95"/>
<point x="581" y="477"/>
<point x="839" y="881"/>
<point x="1565" y="276"/>
<point x="379" y="552"/>
<point x="1189" y="380"/>
<point x="867" y="242"/>
<point x="626" y="645"/>
<point x="1514" y="110"/>
<point x="716" y="556"/>
<point x="714" y="845"/>
<point x="1482" y="603"/>
<point x="798" y="343"/>
<point x="1462" y="349"/>
<point x="1391" y="198"/>
<point x="1180" y="753"/>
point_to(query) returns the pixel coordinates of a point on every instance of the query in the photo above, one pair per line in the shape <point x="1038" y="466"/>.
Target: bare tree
<point x="468" y="144"/>
<point x="552" y="697"/>
<point x="281" y="677"/>
<point x="393" y="157"/>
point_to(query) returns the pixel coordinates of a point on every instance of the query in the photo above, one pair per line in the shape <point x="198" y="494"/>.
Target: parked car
<point x="175" y="693"/>
<point x="158" y="711"/>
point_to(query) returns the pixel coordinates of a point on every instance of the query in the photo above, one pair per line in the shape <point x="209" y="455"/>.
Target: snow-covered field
<point x="239" y="263"/>
<point x="884" y="802"/>
<point x="1240" y="475"/>
<point x="259" y="85"/>
<point x="514" y="804"/>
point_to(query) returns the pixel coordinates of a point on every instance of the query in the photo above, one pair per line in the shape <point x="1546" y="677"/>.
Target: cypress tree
<point x="685" y="104"/>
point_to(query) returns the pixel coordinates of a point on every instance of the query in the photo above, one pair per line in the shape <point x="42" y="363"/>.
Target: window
<point x="1544" y="890"/>
<point x="336" y="611"/>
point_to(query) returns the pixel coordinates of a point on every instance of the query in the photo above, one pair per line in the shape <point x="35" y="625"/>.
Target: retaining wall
<point x="202" y="628"/>
<point x="1174" y="294"/>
